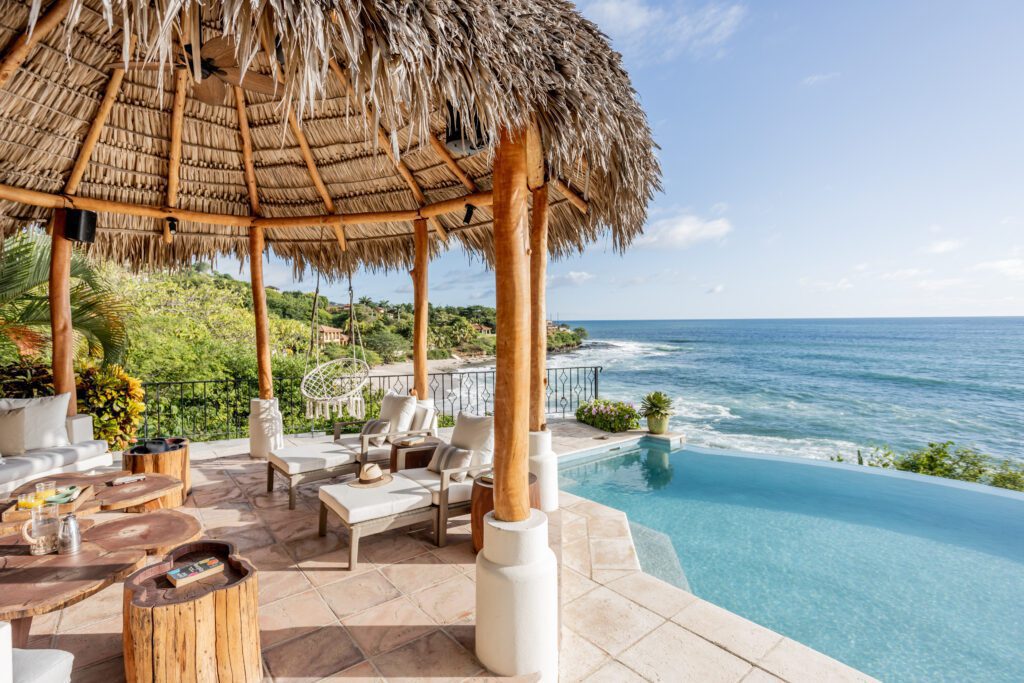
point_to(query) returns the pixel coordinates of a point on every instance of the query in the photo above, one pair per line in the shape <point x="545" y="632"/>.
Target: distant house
<point x="557" y="327"/>
<point x="332" y="335"/>
<point x="482" y="329"/>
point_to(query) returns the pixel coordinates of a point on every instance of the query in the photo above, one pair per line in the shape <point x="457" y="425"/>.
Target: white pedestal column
<point x="544" y="464"/>
<point x="266" y="427"/>
<point x="517" y="599"/>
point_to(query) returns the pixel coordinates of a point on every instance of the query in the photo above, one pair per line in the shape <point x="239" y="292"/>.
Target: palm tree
<point x="98" y="315"/>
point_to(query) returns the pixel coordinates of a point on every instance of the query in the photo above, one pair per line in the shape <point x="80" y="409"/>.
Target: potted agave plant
<point x="657" y="408"/>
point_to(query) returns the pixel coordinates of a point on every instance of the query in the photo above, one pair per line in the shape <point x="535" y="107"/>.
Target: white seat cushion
<point x="16" y="469"/>
<point x="352" y="441"/>
<point x="376" y="454"/>
<point x="355" y="504"/>
<point x="458" y="491"/>
<point x="42" y="666"/>
<point x="312" y="457"/>
<point x="42" y="423"/>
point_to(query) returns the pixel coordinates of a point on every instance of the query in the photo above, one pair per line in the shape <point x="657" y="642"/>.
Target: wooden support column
<point x="420" y="309"/>
<point x="259" y="308"/>
<point x="63" y="336"/>
<point x="512" y="284"/>
<point x="538" y="308"/>
<point x="174" y="162"/>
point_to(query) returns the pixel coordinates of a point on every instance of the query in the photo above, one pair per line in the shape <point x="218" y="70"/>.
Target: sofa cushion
<point x="42" y="666"/>
<point x="43" y="423"/>
<point x="311" y="457"/>
<point x="399" y="411"/>
<point x="458" y="491"/>
<point x="375" y="427"/>
<point x="376" y="454"/>
<point x="51" y="460"/>
<point x="425" y="416"/>
<point x="448" y="457"/>
<point x="475" y="433"/>
<point x="355" y="504"/>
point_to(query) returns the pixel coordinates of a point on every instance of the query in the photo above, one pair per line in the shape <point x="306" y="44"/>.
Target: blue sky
<point x="820" y="159"/>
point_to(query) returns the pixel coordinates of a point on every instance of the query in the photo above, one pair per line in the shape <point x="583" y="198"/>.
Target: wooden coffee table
<point x="155" y="492"/>
<point x="154" y="532"/>
<point x="175" y="463"/>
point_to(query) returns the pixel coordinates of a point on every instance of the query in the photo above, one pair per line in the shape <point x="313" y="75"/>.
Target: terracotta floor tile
<point x="103" y="605"/>
<point x="388" y="625"/>
<point x="293" y="616"/>
<point x="609" y="620"/>
<point x="93" y="643"/>
<point x="279" y="576"/>
<point x="671" y="653"/>
<point x="390" y="547"/>
<point x="415" y="573"/>
<point x="357" y="593"/>
<point x="449" y="601"/>
<point x="464" y="633"/>
<point x="313" y="545"/>
<point x="330" y="567"/>
<point x="110" y="671"/>
<point x="456" y="553"/>
<point x="313" y="656"/>
<point x="436" y="655"/>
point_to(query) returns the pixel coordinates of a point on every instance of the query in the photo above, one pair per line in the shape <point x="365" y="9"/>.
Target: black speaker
<point x="80" y="226"/>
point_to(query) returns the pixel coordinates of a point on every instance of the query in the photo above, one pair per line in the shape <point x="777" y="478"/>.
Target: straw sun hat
<point x="370" y="475"/>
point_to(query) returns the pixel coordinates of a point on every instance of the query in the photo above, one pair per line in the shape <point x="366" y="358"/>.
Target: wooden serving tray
<point x="13" y="514"/>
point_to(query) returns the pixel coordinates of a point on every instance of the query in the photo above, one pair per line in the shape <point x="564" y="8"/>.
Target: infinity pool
<point x="904" y="577"/>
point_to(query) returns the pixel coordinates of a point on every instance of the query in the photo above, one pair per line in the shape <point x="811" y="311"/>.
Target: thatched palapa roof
<point x="361" y="85"/>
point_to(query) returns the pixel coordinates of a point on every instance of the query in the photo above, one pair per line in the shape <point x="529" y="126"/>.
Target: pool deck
<point x="407" y="612"/>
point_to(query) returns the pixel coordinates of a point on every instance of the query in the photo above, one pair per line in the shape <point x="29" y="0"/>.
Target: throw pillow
<point x="12" y="431"/>
<point x="475" y="433"/>
<point x="447" y="457"/>
<point x="45" y="421"/>
<point x="376" y="427"/>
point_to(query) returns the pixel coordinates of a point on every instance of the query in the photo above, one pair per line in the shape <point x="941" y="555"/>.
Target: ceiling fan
<point x="218" y="69"/>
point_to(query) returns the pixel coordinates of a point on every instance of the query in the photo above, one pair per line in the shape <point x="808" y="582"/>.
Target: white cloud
<point x="941" y="284"/>
<point x="650" y="33"/>
<point x="682" y="230"/>
<point x="717" y="289"/>
<point x="1012" y="268"/>
<point x="818" y="79"/>
<point x="944" y="246"/>
<point x="839" y="285"/>
<point x="903" y="274"/>
<point x="574" y="278"/>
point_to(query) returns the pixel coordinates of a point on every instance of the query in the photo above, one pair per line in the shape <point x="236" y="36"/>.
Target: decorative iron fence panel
<point x="205" y="410"/>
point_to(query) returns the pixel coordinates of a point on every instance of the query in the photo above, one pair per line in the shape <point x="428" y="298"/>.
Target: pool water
<point x="904" y="577"/>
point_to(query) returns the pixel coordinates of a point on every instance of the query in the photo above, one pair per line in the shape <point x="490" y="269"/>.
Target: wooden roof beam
<point x="576" y="200"/>
<point x="177" y="127"/>
<point x="247" y="162"/>
<point x="314" y="174"/>
<point x="22" y="46"/>
<point x="450" y="162"/>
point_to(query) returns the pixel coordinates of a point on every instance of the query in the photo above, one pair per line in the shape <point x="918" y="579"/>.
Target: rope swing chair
<point x="335" y="387"/>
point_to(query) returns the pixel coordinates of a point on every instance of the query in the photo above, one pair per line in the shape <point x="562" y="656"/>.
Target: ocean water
<point x="905" y="577"/>
<point x="817" y="388"/>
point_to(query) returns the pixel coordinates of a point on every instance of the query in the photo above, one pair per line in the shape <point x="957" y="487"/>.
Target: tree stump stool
<point x="173" y="461"/>
<point x="204" y="631"/>
<point x="482" y="502"/>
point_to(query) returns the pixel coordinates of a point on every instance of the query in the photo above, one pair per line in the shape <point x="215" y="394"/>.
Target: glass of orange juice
<point x="27" y="501"/>
<point x="45" y="489"/>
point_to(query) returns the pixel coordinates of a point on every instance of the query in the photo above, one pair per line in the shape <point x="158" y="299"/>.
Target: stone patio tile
<point x="589" y="508"/>
<point x="292" y="617"/>
<point x="279" y="577"/>
<point x="731" y="631"/>
<point x="313" y="656"/>
<point x="449" y="601"/>
<point x="652" y="593"/>
<point x="108" y="603"/>
<point x="609" y="620"/>
<point x="388" y="626"/>
<point x="578" y="657"/>
<point x="289" y="525"/>
<point x="605" y="576"/>
<point x="436" y="655"/>
<point x="609" y="527"/>
<point x="574" y="527"/>
<point x="574" y="585"/>
<point x="362" y="591"/>
<point x="464" y="633"/>
<point x="798" y="663"/>
<point x="313" y="545"/>
<point x="609" y="553"/>
<point x="576" y="556"/>
<point x="415" y="573"/>
<point x="245" y="539"/>
<point x="330" y="567"/>
<point x="671" y="653"/>
<point x="760" y="676"/>
<point x="93" y="643"/>
<point x="109" y="671"/>
<point x="360" y="673"/>
<point x="614" y="672"/>
<point x="261" y="500"/>
<point x="461" y="554"/>
<point x="565" y="499"/>
<point x="390" y="547"/>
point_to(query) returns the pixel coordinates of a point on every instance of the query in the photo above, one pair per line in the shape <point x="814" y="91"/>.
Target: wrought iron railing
<point x="205" y="410"/>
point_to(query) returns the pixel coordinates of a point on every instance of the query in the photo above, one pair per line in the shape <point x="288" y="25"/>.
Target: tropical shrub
<point x="113" y="398"/>
<point x="611" y="416"/>
<point x="949" y="461"/>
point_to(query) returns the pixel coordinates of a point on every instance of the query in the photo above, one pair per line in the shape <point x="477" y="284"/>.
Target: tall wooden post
<point x="62" y="332"/>
<point x="538" y="308"/>
<point x="259" y="308"/>
<point x="420" y="309"/>
<point x="512" y="284"/>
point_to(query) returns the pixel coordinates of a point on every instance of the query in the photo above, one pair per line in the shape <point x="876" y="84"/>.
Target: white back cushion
<point x="399" y="411"/>
<point x="475" y="433"/>
<point x="43" y="423"/>
<point x="424" y="416"/>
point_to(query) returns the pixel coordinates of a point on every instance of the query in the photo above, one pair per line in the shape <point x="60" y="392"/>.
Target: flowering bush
<point x="611" y="416"/>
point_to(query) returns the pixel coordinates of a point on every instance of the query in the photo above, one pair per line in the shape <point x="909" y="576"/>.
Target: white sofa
<point x="34" y="665"/>
<point x="82" y="454"/>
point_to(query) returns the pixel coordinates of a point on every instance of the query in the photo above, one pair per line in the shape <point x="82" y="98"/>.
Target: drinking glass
<point x="45" y="489"/>
<point x="41" y="530"/>
<point x="27" y="501"/>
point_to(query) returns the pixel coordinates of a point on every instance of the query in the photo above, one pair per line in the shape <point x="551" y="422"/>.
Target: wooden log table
<point x="204" y="631"/>
<point x="482" y="502"/>
<point x="173" y="462"/>
<point x="154" y="532"/>
<point x="155" y="492"/>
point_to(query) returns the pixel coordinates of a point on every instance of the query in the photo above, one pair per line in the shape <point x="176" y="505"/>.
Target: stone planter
<point x="657" y="424"/>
